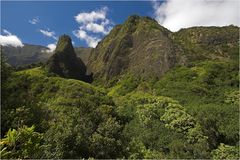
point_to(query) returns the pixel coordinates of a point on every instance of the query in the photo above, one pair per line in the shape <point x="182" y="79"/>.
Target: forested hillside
<point x="153" y="94"/>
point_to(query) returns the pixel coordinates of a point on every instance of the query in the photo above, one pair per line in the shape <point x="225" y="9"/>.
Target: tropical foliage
<point x="189" y="111"/>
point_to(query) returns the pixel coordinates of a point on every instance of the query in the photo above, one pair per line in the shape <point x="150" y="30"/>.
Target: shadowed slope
<point x="65" y="63"/>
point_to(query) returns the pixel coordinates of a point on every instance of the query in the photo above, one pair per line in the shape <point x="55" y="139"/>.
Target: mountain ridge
<point x="140" y="40"/>
<point x="142" y="47"/>
<point x="168" y="96"/>
<point x="32" y="53"/>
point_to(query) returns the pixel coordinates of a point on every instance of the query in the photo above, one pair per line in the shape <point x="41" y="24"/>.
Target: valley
<point x="144" y="92"/>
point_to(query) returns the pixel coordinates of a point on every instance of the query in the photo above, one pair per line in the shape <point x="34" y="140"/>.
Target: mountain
<point x="143" y="48"/>
<point x="18" y="56"/>
<point x="140" y="46"/>
<point x="83" y="53"/>
<point x="212" y="43"/>
<point x="28" y="54"/>
<point x="65" y="63"/>
<point x="156" y="95"/>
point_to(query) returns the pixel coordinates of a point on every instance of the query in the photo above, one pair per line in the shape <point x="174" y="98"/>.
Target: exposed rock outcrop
<point x="65" y="63"/>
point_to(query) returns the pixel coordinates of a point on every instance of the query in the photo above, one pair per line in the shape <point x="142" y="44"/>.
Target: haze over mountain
<point x="25" y="55"/>
<point x="29" y="53"/>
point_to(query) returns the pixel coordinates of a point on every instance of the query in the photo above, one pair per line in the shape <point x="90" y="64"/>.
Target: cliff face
<point x="143" y="48"/>
<point x="65" y="63"/>
<point x="140" y="46"/>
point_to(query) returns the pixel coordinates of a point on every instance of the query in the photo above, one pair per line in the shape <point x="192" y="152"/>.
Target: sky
<point x="87" y="22"/>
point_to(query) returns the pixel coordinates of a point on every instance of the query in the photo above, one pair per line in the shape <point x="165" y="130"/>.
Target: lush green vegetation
<point x="190" y="111"/>
<point x="44" y="116"/>
<point x="208" y="93"/>
<point x="69" y="113"/>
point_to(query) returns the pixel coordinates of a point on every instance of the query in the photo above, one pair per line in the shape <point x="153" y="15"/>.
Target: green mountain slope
<point x="168" y="96"/>
<point x="214" y="43"/>
<point x="145" y="49"/>
<point x="139" y="46"/>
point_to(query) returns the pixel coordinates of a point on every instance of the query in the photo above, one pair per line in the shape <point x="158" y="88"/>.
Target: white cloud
<point x="91" y="24"/>
<point x="48" y="33"/>
<point x="97" y="28"/>
<point x="93" y="16"/>
<point x="10" y="40"/>
<point x="34" y="20"/>
<point x="177" y="14"/>
<point x="90" y="40"/>
<point x="51" y="47"/>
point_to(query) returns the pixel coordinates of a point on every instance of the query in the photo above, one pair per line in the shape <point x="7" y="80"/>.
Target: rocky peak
<point x="139" y="46"/>
<point x="64" y="44"/>
<point x="65" y="63"/>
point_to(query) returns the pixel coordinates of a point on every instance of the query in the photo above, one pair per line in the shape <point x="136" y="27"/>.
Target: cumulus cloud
<point x="51" y="47"/>
<point x="34" y="20"/>
<point x="177" y="14"/>
<point x="48" y="33"/>
<point x="93" y="16"/>
<point x="92" y="41"/>
<point x="10" y="40"/>
<point x="91" y="24"/>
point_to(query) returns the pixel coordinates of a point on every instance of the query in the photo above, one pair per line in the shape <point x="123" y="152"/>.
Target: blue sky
<point x="87" y="22"/>
<point x="58" y="17"/>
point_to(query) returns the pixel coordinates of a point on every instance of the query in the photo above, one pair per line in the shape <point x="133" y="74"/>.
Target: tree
<point x="176" y="118"/>
<point x="22" y="143"/>
<point x="6" y="69"/>
<point x="226" y="152"/>
<point x="105" y="142"/>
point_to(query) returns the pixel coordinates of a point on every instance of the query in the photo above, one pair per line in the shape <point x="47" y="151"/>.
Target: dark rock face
<point x="65" y="63"/>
